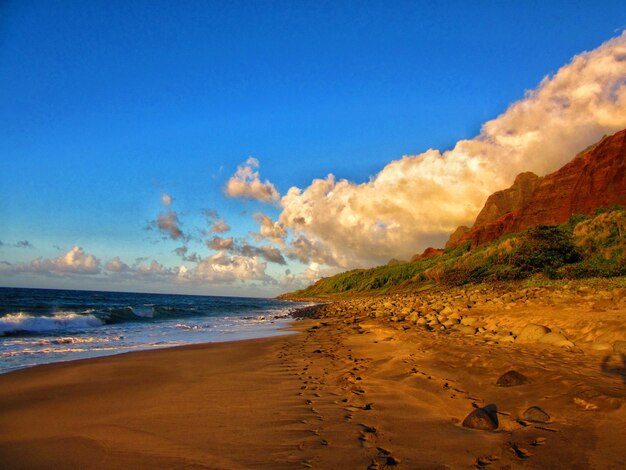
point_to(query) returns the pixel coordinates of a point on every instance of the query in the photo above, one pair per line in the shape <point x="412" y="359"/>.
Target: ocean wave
<point x="24" y="323"/>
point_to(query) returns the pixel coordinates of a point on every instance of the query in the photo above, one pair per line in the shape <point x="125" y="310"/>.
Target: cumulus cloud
<point x="75" y="261"/>
<point x="246" y="184"/>
<point x="219" y="243"/>
<point x="182" y="252"/>
<point x="216" y="225"/>
<point x="243" y="248"/>
<point x="268" y="229"/>
<point x="117" y="265"/>
<point x="417" y="201"/>
<point x="167" y="223"/>
<point x="267" y="252"/>
<point x="224" y="268"/>
<point x="166" y="199"/>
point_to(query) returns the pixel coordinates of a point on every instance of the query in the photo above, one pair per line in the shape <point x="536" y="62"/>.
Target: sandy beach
<point x="366" y="385"/>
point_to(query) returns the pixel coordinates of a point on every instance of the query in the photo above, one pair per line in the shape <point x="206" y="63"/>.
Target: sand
<point x="349" y="391"/>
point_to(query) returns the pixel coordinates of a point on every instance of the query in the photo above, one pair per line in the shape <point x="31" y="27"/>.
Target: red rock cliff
<point x="594" y="178"/>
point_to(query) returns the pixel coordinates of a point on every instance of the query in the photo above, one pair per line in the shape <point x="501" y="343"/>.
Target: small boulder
<point x="467" y="330"/>
<point x="532" y="333"/>
<point x="469" y="321"/>
<point x="536" y="415"/>
<point x="481" y="419"/>
<point x="556" y="339"/>
<point x="512" y="378"/>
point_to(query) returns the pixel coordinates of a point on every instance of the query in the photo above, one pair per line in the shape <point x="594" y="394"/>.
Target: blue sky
<point x="108" y="105"/>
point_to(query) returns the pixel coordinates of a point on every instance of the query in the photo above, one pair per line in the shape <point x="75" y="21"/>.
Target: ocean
<point x="39" y="326"/>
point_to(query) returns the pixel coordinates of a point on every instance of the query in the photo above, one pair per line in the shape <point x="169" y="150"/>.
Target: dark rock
<point x="536" y="415"/>
<point x="481" y="419"/>
<point x="512" y="378"/>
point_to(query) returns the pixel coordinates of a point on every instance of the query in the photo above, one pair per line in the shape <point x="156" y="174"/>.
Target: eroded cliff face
<point x="594" y="178"/>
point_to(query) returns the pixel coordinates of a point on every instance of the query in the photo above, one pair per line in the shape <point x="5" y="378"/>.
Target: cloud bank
<point x="75" y="261"/>
<point x="417" y="201"/>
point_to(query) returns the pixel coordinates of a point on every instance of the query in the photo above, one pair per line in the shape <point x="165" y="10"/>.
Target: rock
<point x="505" y="338"/>
<point x="466" y="330"/>
<point x="512" y="378"/>
<point x="469" y="321"/>
<point x="481" y="419"/>
<point x="619" y="347"/>
<point x="556" y="339"/>
<point x="421" y="322"/>
<point x="601" y="346"/>
<point x="532" y="333"/>
<point x="536" y="415"/>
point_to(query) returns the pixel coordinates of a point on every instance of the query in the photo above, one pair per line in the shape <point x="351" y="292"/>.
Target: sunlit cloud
<point x="216" y="225"/>
<point x="268" y="229"/>
<point x="224" y="268"/>
<point x="246" y="184"/>
<point x="417" y="201"/>
<point x="117" y="265"/>
<point x="75" y="261"/>
<point x="219" y="243"/>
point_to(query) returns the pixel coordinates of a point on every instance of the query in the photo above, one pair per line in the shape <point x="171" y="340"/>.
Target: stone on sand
<point x="536" y="415"/>
<point x="480" y="419"/>
<point x="512" y="378"/>
<point x="532" y="333"/>
<point x="556" y="339"/>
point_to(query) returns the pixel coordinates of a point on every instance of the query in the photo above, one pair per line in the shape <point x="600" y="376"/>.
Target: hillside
<point x="585" y="246"/>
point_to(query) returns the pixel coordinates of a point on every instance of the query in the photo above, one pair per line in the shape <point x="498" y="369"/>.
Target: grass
<point x="583" y="247"/>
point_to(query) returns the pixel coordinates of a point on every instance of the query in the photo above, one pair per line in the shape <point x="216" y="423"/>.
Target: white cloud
<point x="417" y="201"/>
<point x="222" y="268"/>
<point x="166" y="199"/>
<point x="245" y="183"/>
<point x="75" y="261"/>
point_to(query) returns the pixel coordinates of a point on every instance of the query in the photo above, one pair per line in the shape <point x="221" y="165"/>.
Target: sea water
<point x="39" y="326"/>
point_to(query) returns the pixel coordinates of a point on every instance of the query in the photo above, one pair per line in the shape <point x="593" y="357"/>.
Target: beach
<point x="365" y="384"/>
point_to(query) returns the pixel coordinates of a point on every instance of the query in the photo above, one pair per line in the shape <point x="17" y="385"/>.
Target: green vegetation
<point x="583" y="247"/>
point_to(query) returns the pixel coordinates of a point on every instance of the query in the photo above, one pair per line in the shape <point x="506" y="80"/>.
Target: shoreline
<point x="354" y="389"/>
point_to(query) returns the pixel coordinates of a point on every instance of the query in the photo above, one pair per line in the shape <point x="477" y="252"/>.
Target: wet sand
<point x="349" y="391"/>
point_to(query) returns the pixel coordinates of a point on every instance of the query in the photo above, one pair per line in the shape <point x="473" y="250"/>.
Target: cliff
<point x="594" y="178"/>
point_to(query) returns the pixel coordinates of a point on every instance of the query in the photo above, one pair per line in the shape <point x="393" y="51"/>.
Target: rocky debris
<point x="484" y="419"/>
<point x="474" y="311"/>
<point x="536" y="415"/>
<point x="512" y="378"/>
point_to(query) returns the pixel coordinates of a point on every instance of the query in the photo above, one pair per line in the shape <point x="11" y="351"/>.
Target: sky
<point x="249" y="148"/>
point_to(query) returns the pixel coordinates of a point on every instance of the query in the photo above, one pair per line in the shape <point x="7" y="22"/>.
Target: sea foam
<point x="23" y="322"/>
